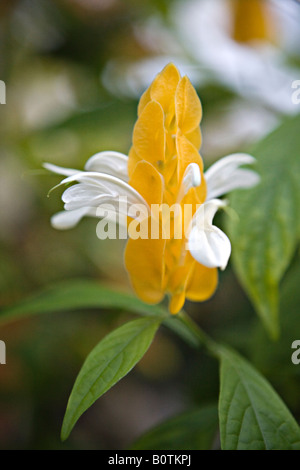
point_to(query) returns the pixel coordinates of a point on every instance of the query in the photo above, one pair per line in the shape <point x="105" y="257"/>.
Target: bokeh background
<point x="74" y="71"/>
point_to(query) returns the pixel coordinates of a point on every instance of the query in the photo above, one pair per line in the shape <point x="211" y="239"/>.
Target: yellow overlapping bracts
<point x="166" y="139"/>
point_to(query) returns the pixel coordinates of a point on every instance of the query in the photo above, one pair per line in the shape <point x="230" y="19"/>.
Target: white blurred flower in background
<point x="256" y="70"/>
<point x="199" y="38"/>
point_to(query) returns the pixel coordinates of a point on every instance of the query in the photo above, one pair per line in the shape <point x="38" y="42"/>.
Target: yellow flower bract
<point x="166" y="139"/>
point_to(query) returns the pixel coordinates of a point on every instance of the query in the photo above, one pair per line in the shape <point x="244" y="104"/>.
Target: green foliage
<point x="252" y="416"/>
<point x="265" y="233"/>
<point x="274" y="357"/>
<point x="194" y="429"/>
<point x="83" y="294"/>
<point x="76" y="294"/>
<point x="109" y="361"/>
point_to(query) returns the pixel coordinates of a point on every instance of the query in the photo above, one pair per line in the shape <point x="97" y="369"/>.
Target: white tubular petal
<point x="206" y="212"/>
<point x="112" y="163"/>
<point x="68" y="219"/>
<point x="225" y="175"/>
<point x="60" y="170"/>
<point x="95" y="189"/>
<point x="191" y="179"/>
<point x="207" y="243"/>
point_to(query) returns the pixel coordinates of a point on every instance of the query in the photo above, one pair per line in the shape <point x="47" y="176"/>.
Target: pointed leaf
<point x="252" y="415"/>
<point x="265" y="233"/>
<point x="76" y="294"/>
<point x="193" y="429"/>
<point x="108" y="362"/>
<point x="79" y="294"/>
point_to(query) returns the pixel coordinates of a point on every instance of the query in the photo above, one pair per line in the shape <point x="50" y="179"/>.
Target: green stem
<point x="187" y="329"/>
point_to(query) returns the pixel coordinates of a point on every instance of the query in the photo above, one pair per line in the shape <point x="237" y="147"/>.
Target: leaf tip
<point x="65" y="431"/>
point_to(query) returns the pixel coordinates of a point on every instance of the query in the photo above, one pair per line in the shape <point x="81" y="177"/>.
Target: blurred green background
<point x="74" y="71"/>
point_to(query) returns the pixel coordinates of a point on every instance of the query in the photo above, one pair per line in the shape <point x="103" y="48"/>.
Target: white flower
<point x="206" y="242"/>
<point x="104" y="181"/>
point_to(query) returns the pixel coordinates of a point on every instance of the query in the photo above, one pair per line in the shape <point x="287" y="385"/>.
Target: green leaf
<point x="252" y="416"/>
<point x="76" y="294"/>
<point x="265" y="233"/>
<point x="108" y="362"/>
<point x="194" y="429"/>
<point x="275" y="357"/>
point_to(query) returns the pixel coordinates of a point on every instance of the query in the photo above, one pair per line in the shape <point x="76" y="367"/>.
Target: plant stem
<point x="187" y="329"/>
